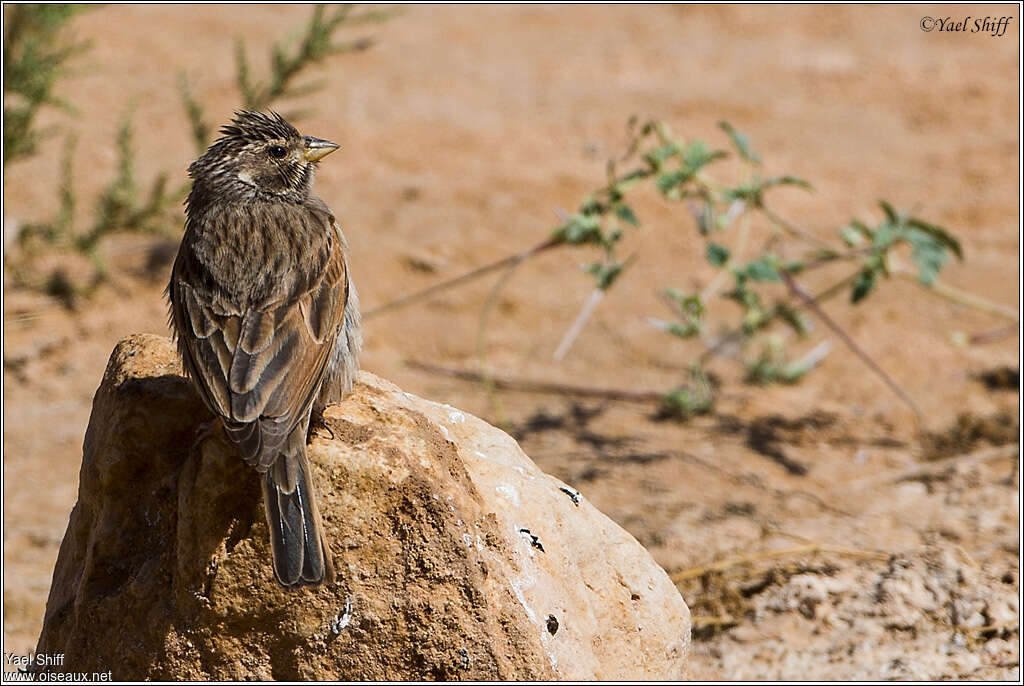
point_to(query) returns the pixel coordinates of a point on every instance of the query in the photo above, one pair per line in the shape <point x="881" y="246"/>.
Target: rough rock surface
<point x="934" y="614"/>
<point x="457" y="558"/>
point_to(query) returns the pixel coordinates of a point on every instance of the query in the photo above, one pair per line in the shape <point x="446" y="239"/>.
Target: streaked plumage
<point x="266" y="317"/>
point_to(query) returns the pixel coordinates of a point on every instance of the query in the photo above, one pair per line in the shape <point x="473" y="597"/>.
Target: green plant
<point x="36" y="51"/>
<point x="121" y="206"/>
<point x="756" y="289"/>
<point x="317" y="44"/>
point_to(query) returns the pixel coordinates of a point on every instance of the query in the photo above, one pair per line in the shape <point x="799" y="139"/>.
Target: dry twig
<point x="958" y="296"/>
<point x="510" y="261"/>
<point x="809" y="300"/>
<point x="938" y="466"/>
<point x="536" y="386"/>
<point x="993" y="335"/>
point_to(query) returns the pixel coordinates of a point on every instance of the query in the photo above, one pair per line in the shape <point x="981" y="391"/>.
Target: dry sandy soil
<point x="462" y="130"/>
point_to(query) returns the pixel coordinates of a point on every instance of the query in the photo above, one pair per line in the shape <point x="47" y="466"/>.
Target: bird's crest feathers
<point x="257" y="127"/>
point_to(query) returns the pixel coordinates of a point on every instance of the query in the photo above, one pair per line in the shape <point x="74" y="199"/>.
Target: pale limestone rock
<point x="456" y="557"/>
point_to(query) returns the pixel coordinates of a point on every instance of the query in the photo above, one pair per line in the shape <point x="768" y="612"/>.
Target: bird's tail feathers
<point x="300" y="551"/>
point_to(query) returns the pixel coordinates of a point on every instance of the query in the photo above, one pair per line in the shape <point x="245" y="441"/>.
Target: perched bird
<point x="266" y="317"/>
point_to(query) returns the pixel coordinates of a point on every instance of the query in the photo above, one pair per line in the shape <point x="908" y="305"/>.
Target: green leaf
<point x="754" y="315"/>
<point x="766" y="370"/>
<point x="890" y="212"/>
<point x="716" y="254"/>
<point x="938" y="233"/>
<point x="691" y="310"/>
<point x="724" y="220"/>
<point x="851" y="236"/>
<point x="752" y="192"/>
<point x="748" y="192"/>
<point x="885" y="235"/>
<point x="741" y="141"/>
<point x="658" y="155"/>
<point x="684" y="331"/>
<point x="685" y="402"/>
<point x="689" y="304"/>
<point x="668" y="181"/>
<point x="929" y="255"/>
<point x="763" y="269"/>
<point x="626" y="214"/>
<point x="591" y="206"/>
<point x="632" y="178"/>
<point x="862" y="228"/>
<point x="696" y="155"/>
<point x="793" y="267"/>
<point x="787" y="180"/>
<point x="606" y="274"/>
<point x="687" y="329"/>
<point x="864" y="284"/>
<point x="792" y="318"/>
<point x="580" y="230"/>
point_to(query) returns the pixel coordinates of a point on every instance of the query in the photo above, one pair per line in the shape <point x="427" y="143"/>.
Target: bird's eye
<point x="277" y="152"/>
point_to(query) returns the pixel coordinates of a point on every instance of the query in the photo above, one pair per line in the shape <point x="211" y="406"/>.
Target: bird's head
<point x="260" y="155"/>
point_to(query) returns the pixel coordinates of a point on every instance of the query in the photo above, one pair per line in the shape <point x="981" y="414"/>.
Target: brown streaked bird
<point x="266" y="317"/>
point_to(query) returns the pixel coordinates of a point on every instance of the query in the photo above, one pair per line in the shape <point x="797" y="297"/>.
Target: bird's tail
<point x="301" y="554"/>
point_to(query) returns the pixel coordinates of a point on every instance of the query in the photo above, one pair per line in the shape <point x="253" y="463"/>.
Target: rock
<point x="456" y="557"/>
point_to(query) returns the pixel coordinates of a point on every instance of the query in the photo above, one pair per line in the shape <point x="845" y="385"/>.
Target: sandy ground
<point x="462" y="130"/>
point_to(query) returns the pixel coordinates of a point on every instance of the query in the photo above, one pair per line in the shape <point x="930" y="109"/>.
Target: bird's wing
<point x="260" y="369"/>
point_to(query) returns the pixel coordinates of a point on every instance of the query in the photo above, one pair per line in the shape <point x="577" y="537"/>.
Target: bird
<point x="266" y="317"/>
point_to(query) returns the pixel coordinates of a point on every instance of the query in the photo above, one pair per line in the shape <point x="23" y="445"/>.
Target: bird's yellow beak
<point x="318" y="148"/>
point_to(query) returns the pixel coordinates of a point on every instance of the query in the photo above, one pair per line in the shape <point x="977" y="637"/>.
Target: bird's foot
<point x="318" y="423"/>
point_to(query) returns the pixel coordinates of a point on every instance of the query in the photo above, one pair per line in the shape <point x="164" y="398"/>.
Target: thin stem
<point x="735" y="334"/>
<point x="492" y="297"/>
<point x="808" y="299"/>
<point x="537" y="386"/>
<point x="835" y="289"/>
<point x="471" y="275"/>
<point x="593" y="300"/>
<point x="993" y="335"/>
<point x="789" y="228"/>
<point x="485" y="311"/>
<point x="737" y="209"/>
<point x="958" y="296"/>
<point x="833" y="256"/>
<point x="936" y="467"/>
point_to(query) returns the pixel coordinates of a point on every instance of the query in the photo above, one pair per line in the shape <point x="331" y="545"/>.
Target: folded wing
<point x="260" y="369"/>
